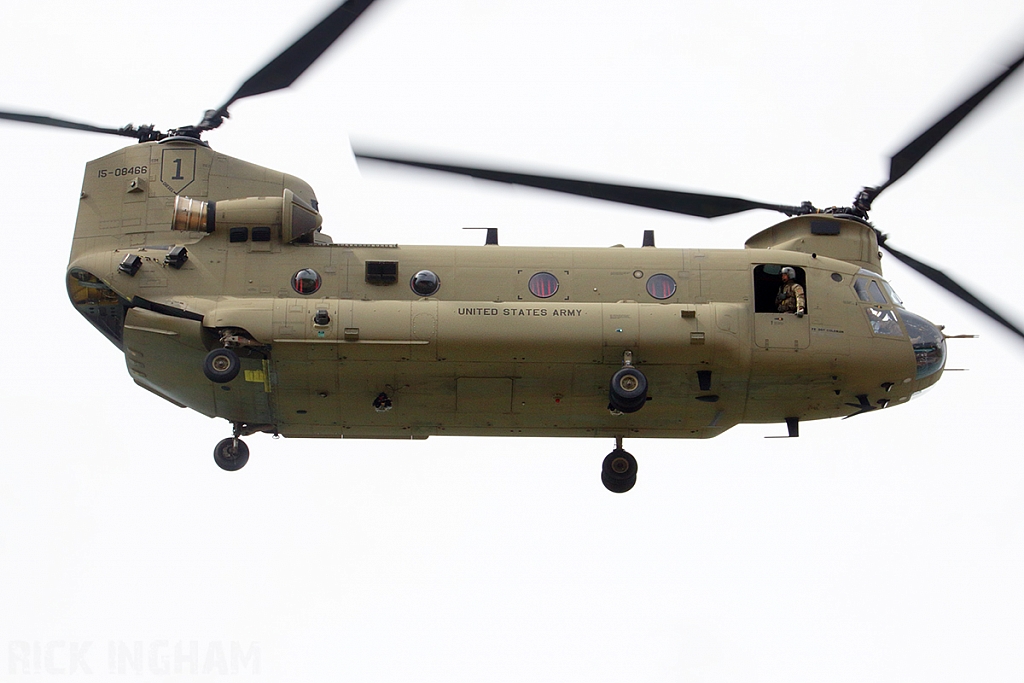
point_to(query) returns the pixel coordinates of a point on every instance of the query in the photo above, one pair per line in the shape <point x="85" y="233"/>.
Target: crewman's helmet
<point x="790" y="272"/>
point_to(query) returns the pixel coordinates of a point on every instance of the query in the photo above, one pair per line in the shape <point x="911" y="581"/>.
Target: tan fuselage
<point x="482" y="355"/>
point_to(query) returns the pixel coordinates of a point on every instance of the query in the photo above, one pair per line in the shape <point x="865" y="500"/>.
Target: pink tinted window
<point x="543" y="285"/>
<point x="661" y="286"/>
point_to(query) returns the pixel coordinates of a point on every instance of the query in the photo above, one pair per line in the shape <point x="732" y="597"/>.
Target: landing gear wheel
<point x="618" y="472"/>
<point x="221" y="365"/>
<point x="231" y="454"/>
<point x="627" y="391"/>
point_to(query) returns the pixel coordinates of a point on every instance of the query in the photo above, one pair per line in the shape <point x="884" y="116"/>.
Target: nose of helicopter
<point x="929" y="345"/>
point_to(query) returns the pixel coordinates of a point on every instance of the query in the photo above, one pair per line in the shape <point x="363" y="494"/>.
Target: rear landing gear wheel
<point x="221" y="365"/>
<point x="618" y="472"/>
<point x="231" y="454"/>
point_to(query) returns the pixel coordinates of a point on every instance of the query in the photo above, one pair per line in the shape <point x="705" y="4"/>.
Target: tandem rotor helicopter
<point x="213" y="276"/>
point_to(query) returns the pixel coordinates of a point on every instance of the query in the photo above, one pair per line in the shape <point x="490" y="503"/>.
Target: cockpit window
<point x="884" y="322"/>
<point x="868" y="290"/>
<point x="861" y="287"/>
<point x="876" y="293"/>
<point x="929" y="344"/>
<point x="892" y="293"/>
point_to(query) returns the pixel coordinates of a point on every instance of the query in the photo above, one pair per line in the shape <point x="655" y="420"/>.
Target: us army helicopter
<point x="215" y="279"/>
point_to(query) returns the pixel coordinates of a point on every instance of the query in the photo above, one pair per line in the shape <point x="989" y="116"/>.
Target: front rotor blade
<point x="282" y="71"/>
<point x="950" y="285"/>
<point x="127" y="131"/>
<point x="906" y="158"/>
<point x="675" y="201"/>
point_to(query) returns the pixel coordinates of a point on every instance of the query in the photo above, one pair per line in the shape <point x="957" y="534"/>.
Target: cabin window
<point x="425" y="283"/>
<point x="768" y="281"/>
<point x="661" y="286"/>
<point x="100" y="305"/>
<point x="543" y="285"/>
<point x="306" y="281"/>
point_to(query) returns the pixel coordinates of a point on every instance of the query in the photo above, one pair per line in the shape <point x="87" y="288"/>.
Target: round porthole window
<point x="543" y="285"/>
<point x="306" y="281"/>
<point x="661" y="286"/>
<point x="425" y="282"/>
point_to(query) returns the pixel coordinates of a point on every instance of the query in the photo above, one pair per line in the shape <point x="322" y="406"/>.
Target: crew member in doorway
<point x="790" y="298"/>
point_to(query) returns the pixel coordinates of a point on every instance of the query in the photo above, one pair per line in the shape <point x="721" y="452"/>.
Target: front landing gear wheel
<point x="231" y="454"/>
<point x="627" y="392"/>
<point x="221" y="365"/>
<point x="618" y="472"/>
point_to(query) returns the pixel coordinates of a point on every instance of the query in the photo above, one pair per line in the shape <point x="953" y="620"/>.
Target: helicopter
<point x="215" y="278"/>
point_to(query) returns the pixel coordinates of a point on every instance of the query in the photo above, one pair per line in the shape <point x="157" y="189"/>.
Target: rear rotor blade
<point x="905" y="159"/>
<point x="282" y="71"/>
<point x="950" y="285"/>
<point x="128" y="131"/>
<point x="675" y="201"/>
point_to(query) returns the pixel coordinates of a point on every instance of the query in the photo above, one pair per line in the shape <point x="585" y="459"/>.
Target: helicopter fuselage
<point x="179" y="250"/>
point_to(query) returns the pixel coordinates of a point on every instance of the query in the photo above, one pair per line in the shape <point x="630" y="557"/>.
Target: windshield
<point x="929" y="344"/>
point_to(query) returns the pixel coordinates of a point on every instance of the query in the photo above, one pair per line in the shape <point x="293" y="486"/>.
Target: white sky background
<point x="884" y="548"/>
